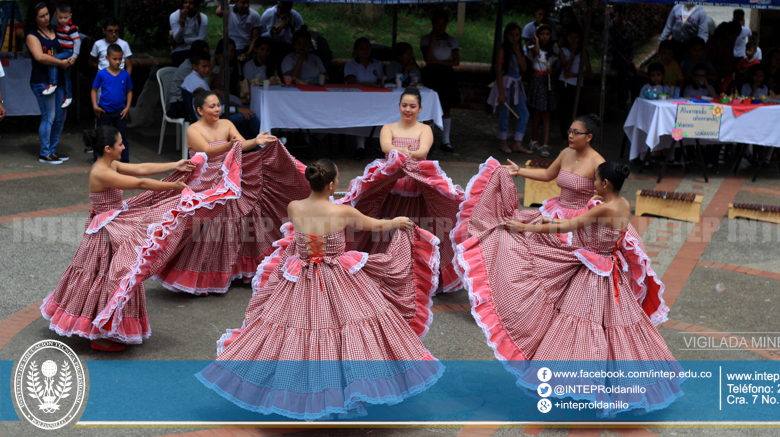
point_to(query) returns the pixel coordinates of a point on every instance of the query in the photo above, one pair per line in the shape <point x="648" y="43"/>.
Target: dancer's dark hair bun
<point x="200" y="95"/>
<point x="412" y="91"/>
<point x="624" y="170"/>
<point x="320" y="173"/>
<point x="596" y="119"/>
<point x="97" y="139"/>
<point x="592" y="123"/>
<point x="615" y="172"/>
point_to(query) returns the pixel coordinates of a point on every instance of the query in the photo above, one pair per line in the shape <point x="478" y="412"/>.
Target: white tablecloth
<point x="15" y="87"/>
<point x="289" y="107"/>
<point x="650" y="124"/>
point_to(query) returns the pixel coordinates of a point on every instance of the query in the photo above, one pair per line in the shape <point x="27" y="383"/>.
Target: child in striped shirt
<point x="68" y="35"/>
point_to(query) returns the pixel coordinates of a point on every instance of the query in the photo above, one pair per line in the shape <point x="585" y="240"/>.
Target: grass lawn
<point x="341" y="28"/>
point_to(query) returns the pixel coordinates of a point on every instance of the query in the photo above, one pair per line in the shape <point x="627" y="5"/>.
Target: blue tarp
<point x="390" y="2"/>
<point x="749" y="4"/>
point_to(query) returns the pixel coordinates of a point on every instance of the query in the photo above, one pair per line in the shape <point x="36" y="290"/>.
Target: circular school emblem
<point x="49" y="384"/>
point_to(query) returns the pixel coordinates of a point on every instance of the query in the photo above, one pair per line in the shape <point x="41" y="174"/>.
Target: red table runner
<point x="364" y="88"/>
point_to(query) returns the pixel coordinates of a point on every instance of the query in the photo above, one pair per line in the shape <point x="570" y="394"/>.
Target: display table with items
<point x="654" y="125"/>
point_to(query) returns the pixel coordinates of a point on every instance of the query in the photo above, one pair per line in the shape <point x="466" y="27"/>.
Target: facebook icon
<point x="544" y="374"/>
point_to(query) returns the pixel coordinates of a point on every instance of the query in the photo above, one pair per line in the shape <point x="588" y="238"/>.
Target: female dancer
<point x="233" y="244"/>
<point x="328" y="330"/>
<point x="539" y="299"/>
<point x="415" y="188"/>
<point x="575" y="170"/>
<point x="83" y="290"/>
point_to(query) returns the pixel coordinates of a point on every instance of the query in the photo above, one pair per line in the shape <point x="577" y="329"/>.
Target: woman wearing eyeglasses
<point x="575" y="169"/>
<point x="545" y="305"/>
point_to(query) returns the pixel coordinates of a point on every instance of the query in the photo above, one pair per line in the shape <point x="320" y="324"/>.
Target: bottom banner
<point x="426" y="391"/>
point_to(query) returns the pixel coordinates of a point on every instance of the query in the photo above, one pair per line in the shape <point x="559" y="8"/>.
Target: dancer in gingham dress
<point x="233" y="244"/>
<point x="84" y="288"/>
<point x="544" y="303"/>
<point x="327" y="330"/>
<point x="416" y="188"/>
<point x="575" y="169"/>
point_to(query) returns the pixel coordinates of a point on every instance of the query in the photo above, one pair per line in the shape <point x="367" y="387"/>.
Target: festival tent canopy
<point x="751" y="4"/>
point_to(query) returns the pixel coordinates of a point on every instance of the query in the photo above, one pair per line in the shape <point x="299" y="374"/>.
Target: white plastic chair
<point x="164" y="79"/>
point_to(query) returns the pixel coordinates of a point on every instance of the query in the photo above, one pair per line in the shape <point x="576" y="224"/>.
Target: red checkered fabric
<point x="326" y="312"/>
<point x="576" y="192"/>
<point x="531" y="294"/>
<point x="232" y="244"/>
<point x="419" y="190"/>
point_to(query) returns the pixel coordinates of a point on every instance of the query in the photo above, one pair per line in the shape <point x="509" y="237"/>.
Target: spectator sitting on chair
<point x="187" y="26"/>
<point x="261" y="67"/>
<point x="175" y="107"/>
<point x="772" y="65"/>
<point x="301" y="65"/>
<point x="244" y="27"/>
<point x="403" y="63"/>
<point x="364" y="70"/>
<point x="234" y="70"/>
<point x="97" y="57"/>
<point x="115" y="97"/>
<point x="280" y="22"/>
<point x="244" y="119"/>
<point x="656" y="72"/>
<point x="757" y="85"/>
<point x="672" y="74"/>
<point x="699" y="86"/>
<point x="696" y="57"/>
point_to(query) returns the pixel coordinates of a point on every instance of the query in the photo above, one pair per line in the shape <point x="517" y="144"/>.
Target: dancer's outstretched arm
<point x="357" y="220"/>
<point x="112" y="179"/>
<point x="607" y="214"/>
<point x="537" y="174"/>
<point x="152" y="168"/>
<point x="198" y="143"/>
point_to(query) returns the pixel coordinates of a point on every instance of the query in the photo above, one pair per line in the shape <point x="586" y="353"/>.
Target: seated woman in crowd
<point x="364" y="70"/>
<point x="260" y="66"/>
<point x="403" y="63"/>
<point x="232" y="65"/>
<point x="301" y="65"/>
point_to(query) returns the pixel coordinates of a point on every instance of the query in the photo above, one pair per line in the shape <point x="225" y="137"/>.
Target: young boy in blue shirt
<point x="116" y="94"/>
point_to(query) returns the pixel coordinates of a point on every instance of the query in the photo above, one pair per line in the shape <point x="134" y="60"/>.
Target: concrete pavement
<point x="42" y="213"/>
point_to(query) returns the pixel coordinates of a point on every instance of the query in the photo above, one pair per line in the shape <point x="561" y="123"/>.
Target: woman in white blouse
<point x="364" y="70"/>
<point x="441" y="55"/>
<point x="301" y="65"/>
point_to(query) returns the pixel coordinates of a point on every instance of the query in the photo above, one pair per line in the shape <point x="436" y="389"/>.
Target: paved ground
<point x="721" y="274"/>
